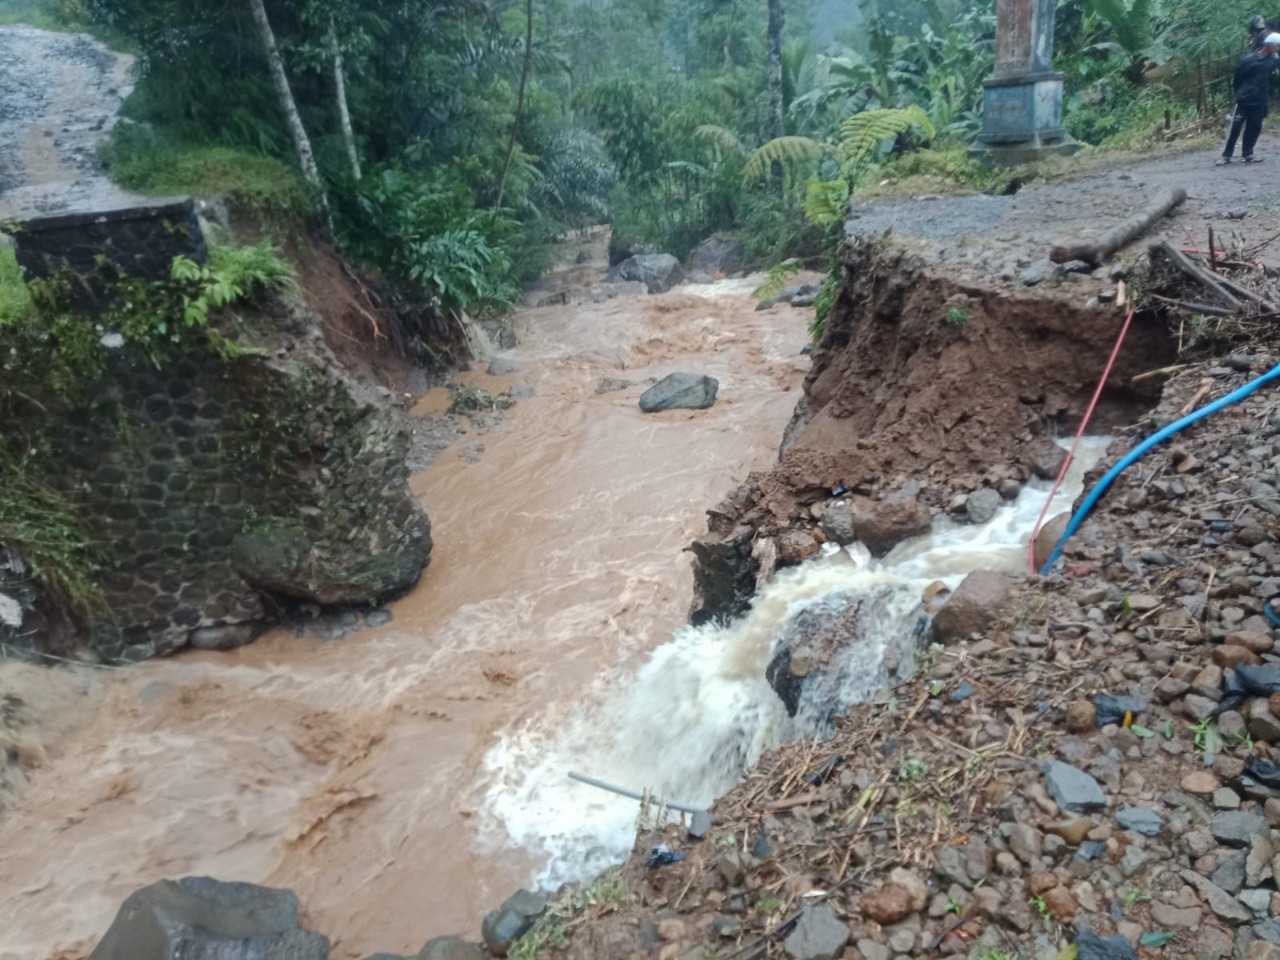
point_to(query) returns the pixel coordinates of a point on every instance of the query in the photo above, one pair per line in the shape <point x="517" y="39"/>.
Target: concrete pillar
<point x="1022" y="103"/>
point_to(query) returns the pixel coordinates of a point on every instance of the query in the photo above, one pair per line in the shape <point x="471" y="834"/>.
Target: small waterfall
<point x="693" y="719"/>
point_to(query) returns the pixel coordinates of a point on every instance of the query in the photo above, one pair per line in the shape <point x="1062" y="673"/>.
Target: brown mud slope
<point x="1004" y="803"/>
<point x="920" y="377"/>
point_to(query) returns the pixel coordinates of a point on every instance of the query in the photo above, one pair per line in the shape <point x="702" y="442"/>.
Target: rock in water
<point x="979" y="601"/>
<point x="894" y="519"/>
<point x="1072" y="789"/>
<point x="680" y="391"/>
<point x="1048" y="538"/>
<point x="513" y="920"/>
<point x="981" y="505"/>
<point x="804" y="649"/>
<point x="449" y="948"/>
<point x="819" y="935"/>
<point x="501" y="366"/>
<point x="657" y="271"/>
<point x="200" y="916"/>
<point x="1044" y="458"/>
<point x="837" y="522"/>
<point x="718" y="254"/>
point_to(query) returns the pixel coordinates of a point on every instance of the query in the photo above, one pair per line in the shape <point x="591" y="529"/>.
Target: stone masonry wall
<point x="89" y="250"/>
<point x="215" y="486"/>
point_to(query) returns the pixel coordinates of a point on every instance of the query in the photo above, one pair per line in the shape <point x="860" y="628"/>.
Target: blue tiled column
<point x="1022" y="103"/>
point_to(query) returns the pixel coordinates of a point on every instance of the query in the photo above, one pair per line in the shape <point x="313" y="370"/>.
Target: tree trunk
<point x="301" y="143"/>
<point x="777" y="122"/>
<point x="524" y="80"/>
<point x="344" y="115"/>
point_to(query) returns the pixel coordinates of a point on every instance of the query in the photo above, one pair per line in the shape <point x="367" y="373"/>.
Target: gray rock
<point x="1140" y="820"/>
<point x="718" y="255"/>
<point x="871" y="950"/>
<point x="981" y="505"/>
<point x="449" y="948"/>
<point x="1259" y="901"/>
<point x="1230" y="873"/>
<point x="1224" y="798"/>
<point x="1257" y="865"/>
<point x="1220" y="902"/>
<point x="1268" y="930"/>
<point x="894" y="519"/>
<point x="659" y="272"/>
<point x="819" y="935"/>
<point x="203" y="917"/>
<point x="1026" y="842"/>
<point x="1040" y="271"/>
<point x="700" y="824"/>
<point x="501" y="366"/>
<point x="680" y="391"/>
<point x="512" y="920"/>
<point x="226" y="636"/>
<point x="1237" y="828"/>
<point x="611" y="384"/>
<point x="980" y="600"/>
<point x="1263" y="724"/>
<point x="520" y="391"/>
<point x="837" y="522"/>
<point x="1072" y="789"/>
<point x="1093" y="947"/>
<point x="1134" y="860"/>
<point x="727" y="927"/>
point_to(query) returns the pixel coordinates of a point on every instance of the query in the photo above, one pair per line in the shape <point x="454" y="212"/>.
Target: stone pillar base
<point x="1061" y="144"/>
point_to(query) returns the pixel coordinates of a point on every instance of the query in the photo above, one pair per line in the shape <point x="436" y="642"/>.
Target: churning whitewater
<point x="691" y="721"/>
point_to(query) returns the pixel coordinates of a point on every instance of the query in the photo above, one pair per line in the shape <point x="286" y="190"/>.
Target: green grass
<point x="139" y="160"/>
<point x="15" y="298"/>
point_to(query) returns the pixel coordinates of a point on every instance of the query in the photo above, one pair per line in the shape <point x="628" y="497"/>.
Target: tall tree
<point x="301" y="142"/>
<point x="777" y="122"/>
<point x="524" y="81"/>
<point x="344" y="114"/>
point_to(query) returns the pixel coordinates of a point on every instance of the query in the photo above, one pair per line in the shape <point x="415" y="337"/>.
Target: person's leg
<point x="1237" y="122"/>
<point x="1252" y="129"/>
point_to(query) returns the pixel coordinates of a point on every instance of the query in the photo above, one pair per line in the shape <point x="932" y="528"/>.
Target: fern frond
<point x="784" y="150"/>
<point x="862" y="134"/>
<point x="722" y="137"/>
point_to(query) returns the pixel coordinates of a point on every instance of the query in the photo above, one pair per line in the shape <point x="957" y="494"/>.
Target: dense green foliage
<point x="475" y="148"/>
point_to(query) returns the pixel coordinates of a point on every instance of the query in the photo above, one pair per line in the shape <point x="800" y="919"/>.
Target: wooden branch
<point x="1121" y="234"/>
<point x="1199" y="274"/>
<point x="1242" y="290"/>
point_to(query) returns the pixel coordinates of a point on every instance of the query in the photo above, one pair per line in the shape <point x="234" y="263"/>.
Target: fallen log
<point x="1121" y="234"/>
<point x="1209" y="281"/>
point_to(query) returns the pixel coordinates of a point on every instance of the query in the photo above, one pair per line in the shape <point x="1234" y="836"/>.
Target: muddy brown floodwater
<point x="348" y="770"/>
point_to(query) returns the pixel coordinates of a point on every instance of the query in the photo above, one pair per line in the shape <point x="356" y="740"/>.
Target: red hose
<point x="1066" y="464"/>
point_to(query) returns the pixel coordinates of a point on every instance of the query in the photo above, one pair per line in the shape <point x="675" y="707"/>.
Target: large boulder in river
<point x="680" y="391"/>
<point x="1044" y="458"/>
<point x="203" y="917"/>
<point x="897" y="517"/>
<point x="803" y="651"/>
<point x="718" y="255"/>
<point x="657" y="271"/>
<point x="981" y="599"/>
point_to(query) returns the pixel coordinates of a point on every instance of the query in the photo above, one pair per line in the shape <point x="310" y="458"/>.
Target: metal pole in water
<point x="629" y="794"/>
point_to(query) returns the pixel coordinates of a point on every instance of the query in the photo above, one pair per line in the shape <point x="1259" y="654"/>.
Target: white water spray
<point x="692" y="720"/>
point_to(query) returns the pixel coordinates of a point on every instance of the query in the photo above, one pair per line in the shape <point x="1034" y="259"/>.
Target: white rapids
<point x="689" y="722"/>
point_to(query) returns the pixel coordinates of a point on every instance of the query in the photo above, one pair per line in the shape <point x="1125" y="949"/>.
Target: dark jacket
<point x="1252" y="82"/>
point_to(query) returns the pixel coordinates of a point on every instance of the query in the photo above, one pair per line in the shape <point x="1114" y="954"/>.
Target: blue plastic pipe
<point x="1142" y="449"/>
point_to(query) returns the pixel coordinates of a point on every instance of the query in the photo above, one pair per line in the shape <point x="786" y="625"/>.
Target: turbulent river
<point x="356" y="771"/>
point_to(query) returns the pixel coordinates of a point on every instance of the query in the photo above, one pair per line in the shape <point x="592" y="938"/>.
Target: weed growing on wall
<point x="53" y="357"/>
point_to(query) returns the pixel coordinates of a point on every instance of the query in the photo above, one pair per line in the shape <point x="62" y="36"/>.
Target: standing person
<point x="1252" y="86"/>
<point x="1257" y="32"/>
